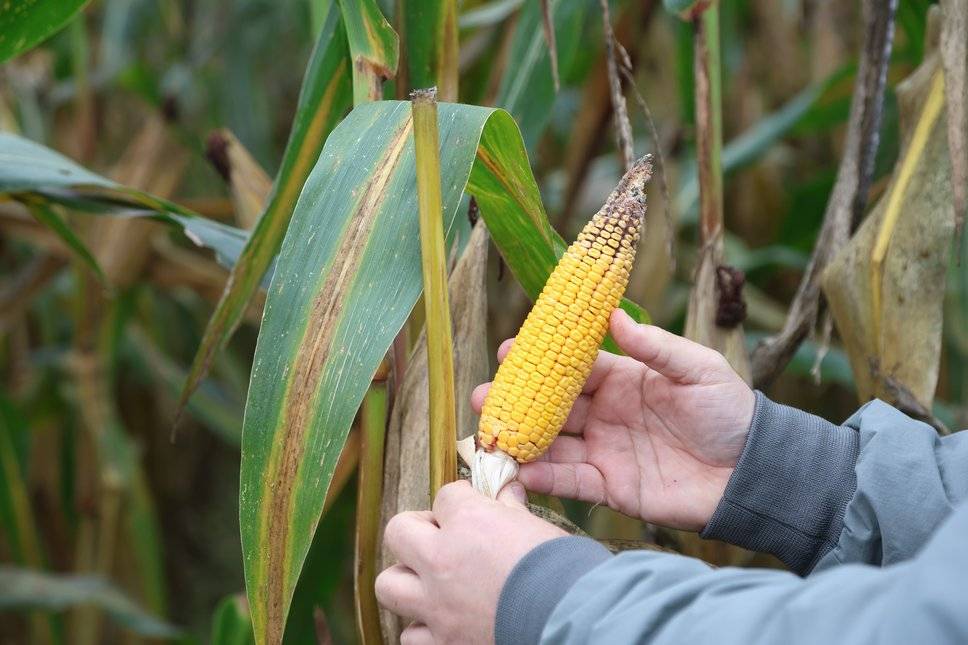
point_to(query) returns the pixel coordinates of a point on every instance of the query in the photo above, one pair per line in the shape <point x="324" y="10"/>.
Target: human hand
<point x="453" y="562"/>
<point x="654" y="434"/>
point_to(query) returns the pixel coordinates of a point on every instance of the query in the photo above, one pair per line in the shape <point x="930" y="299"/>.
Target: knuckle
<point x="395" y="529"/>
<point x="448" y="495"/>
<point x="382" y="586"/>
<point x="409" y="636"/>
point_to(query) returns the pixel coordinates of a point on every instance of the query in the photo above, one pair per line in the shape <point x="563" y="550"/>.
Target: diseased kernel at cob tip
<point x="552" y="355"/>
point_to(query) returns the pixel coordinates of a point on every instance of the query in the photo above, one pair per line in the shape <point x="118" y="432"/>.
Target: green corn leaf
<point x="348" y="275"/>
<point x="488" y="14"/>
<point x="25" y="589"/>
<point x="373" y="47"/>
<point x="752" y="144"/>
<point x="527" y="90"/>
<point x="428" y="31"/>
<point x="231" y="624"/>
<point x="35" y="174"/>
<point x="325" y="96"/>
<point x="218" y="408"/>
<point x="47" y="216"/>
<point x="25" y="23"/>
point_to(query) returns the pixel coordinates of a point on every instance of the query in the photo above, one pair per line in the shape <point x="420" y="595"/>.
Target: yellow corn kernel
<point x="553" y="352"/>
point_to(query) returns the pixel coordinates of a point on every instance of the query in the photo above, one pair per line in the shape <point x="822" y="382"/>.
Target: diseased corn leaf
<point x="527" y="90"/>
<point x="25" y="589"/>
<point x="324" y="97"/>
<point x="373" y="48"/>
<point x="428" y="34"/>
<point x="348" y="275"/>
<point x="25" y="23"/>
<point x="886" y="287"/>
<point x="34" y="173"/>
<point x="230" y="622"/>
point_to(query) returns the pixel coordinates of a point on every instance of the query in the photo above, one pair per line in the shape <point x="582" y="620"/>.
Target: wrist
<point x="788" y="492"/>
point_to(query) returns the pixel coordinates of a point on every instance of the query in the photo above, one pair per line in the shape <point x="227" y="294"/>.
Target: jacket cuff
<point x="538" y="582"/>
<point x="790" y="488"/>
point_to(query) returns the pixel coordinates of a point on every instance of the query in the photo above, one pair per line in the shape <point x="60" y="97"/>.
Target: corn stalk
<point x="443" y="415"/>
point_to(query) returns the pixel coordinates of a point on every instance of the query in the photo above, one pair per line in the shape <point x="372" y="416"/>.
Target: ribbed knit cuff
<point x="538" y="582"/>
<point x="790" y="488"/>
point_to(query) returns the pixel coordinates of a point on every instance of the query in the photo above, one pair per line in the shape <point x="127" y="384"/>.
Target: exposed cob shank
<point x="552" y="355"/>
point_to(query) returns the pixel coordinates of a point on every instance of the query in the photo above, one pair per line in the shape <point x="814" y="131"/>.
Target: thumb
<point x="673" y="356"/>
<point x="513" y="494"/>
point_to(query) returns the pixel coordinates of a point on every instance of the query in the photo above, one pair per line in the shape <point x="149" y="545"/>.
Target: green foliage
<point x="322" y="100"/>
<point x="26" y="589"/>
<point x="231" y="624"/>
<point x="335" y="254"/>
<point x="25" y="23"/>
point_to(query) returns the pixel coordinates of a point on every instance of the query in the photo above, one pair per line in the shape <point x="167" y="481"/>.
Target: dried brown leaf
<point x="846" y="202"/>
<point x="623" y="129"/>
<point x="701" y="318"/>
<point x="886" y="287"/>
<point x="954" y="60"/>
<point x="248" y="182"/>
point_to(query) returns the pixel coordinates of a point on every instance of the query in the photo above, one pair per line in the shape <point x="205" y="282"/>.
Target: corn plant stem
<point x="623" y="129"/>
<point x="709" y="137"/>
<point x="772" y="354"/>
<point x="90" y="374"/>
<point x="29" y="551"/>
<point x="709" y="127"/>
<point x="369" y="501"/>
<point x="440" y="363"/>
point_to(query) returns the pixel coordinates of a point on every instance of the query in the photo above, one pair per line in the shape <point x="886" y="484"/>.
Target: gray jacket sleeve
<point x="664" y="599"/>
<point x="873" y="491"/>
<point x="815" y="494"/>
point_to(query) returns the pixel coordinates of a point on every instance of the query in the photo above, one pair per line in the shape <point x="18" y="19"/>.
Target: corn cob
<point x="552" y="355"/>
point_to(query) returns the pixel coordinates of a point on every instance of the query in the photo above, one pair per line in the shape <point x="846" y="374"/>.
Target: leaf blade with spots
<point x="348" y="275"/>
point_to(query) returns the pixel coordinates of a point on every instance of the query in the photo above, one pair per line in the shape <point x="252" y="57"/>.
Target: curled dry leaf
<point x="248" y="182"/>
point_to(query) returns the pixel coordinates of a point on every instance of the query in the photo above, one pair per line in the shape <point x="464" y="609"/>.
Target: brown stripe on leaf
<point x="495" y="168"/>
<point x="299" y="403"/>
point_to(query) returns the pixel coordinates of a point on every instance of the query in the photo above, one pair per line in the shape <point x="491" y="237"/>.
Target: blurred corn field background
<point x="211" y="309"/>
